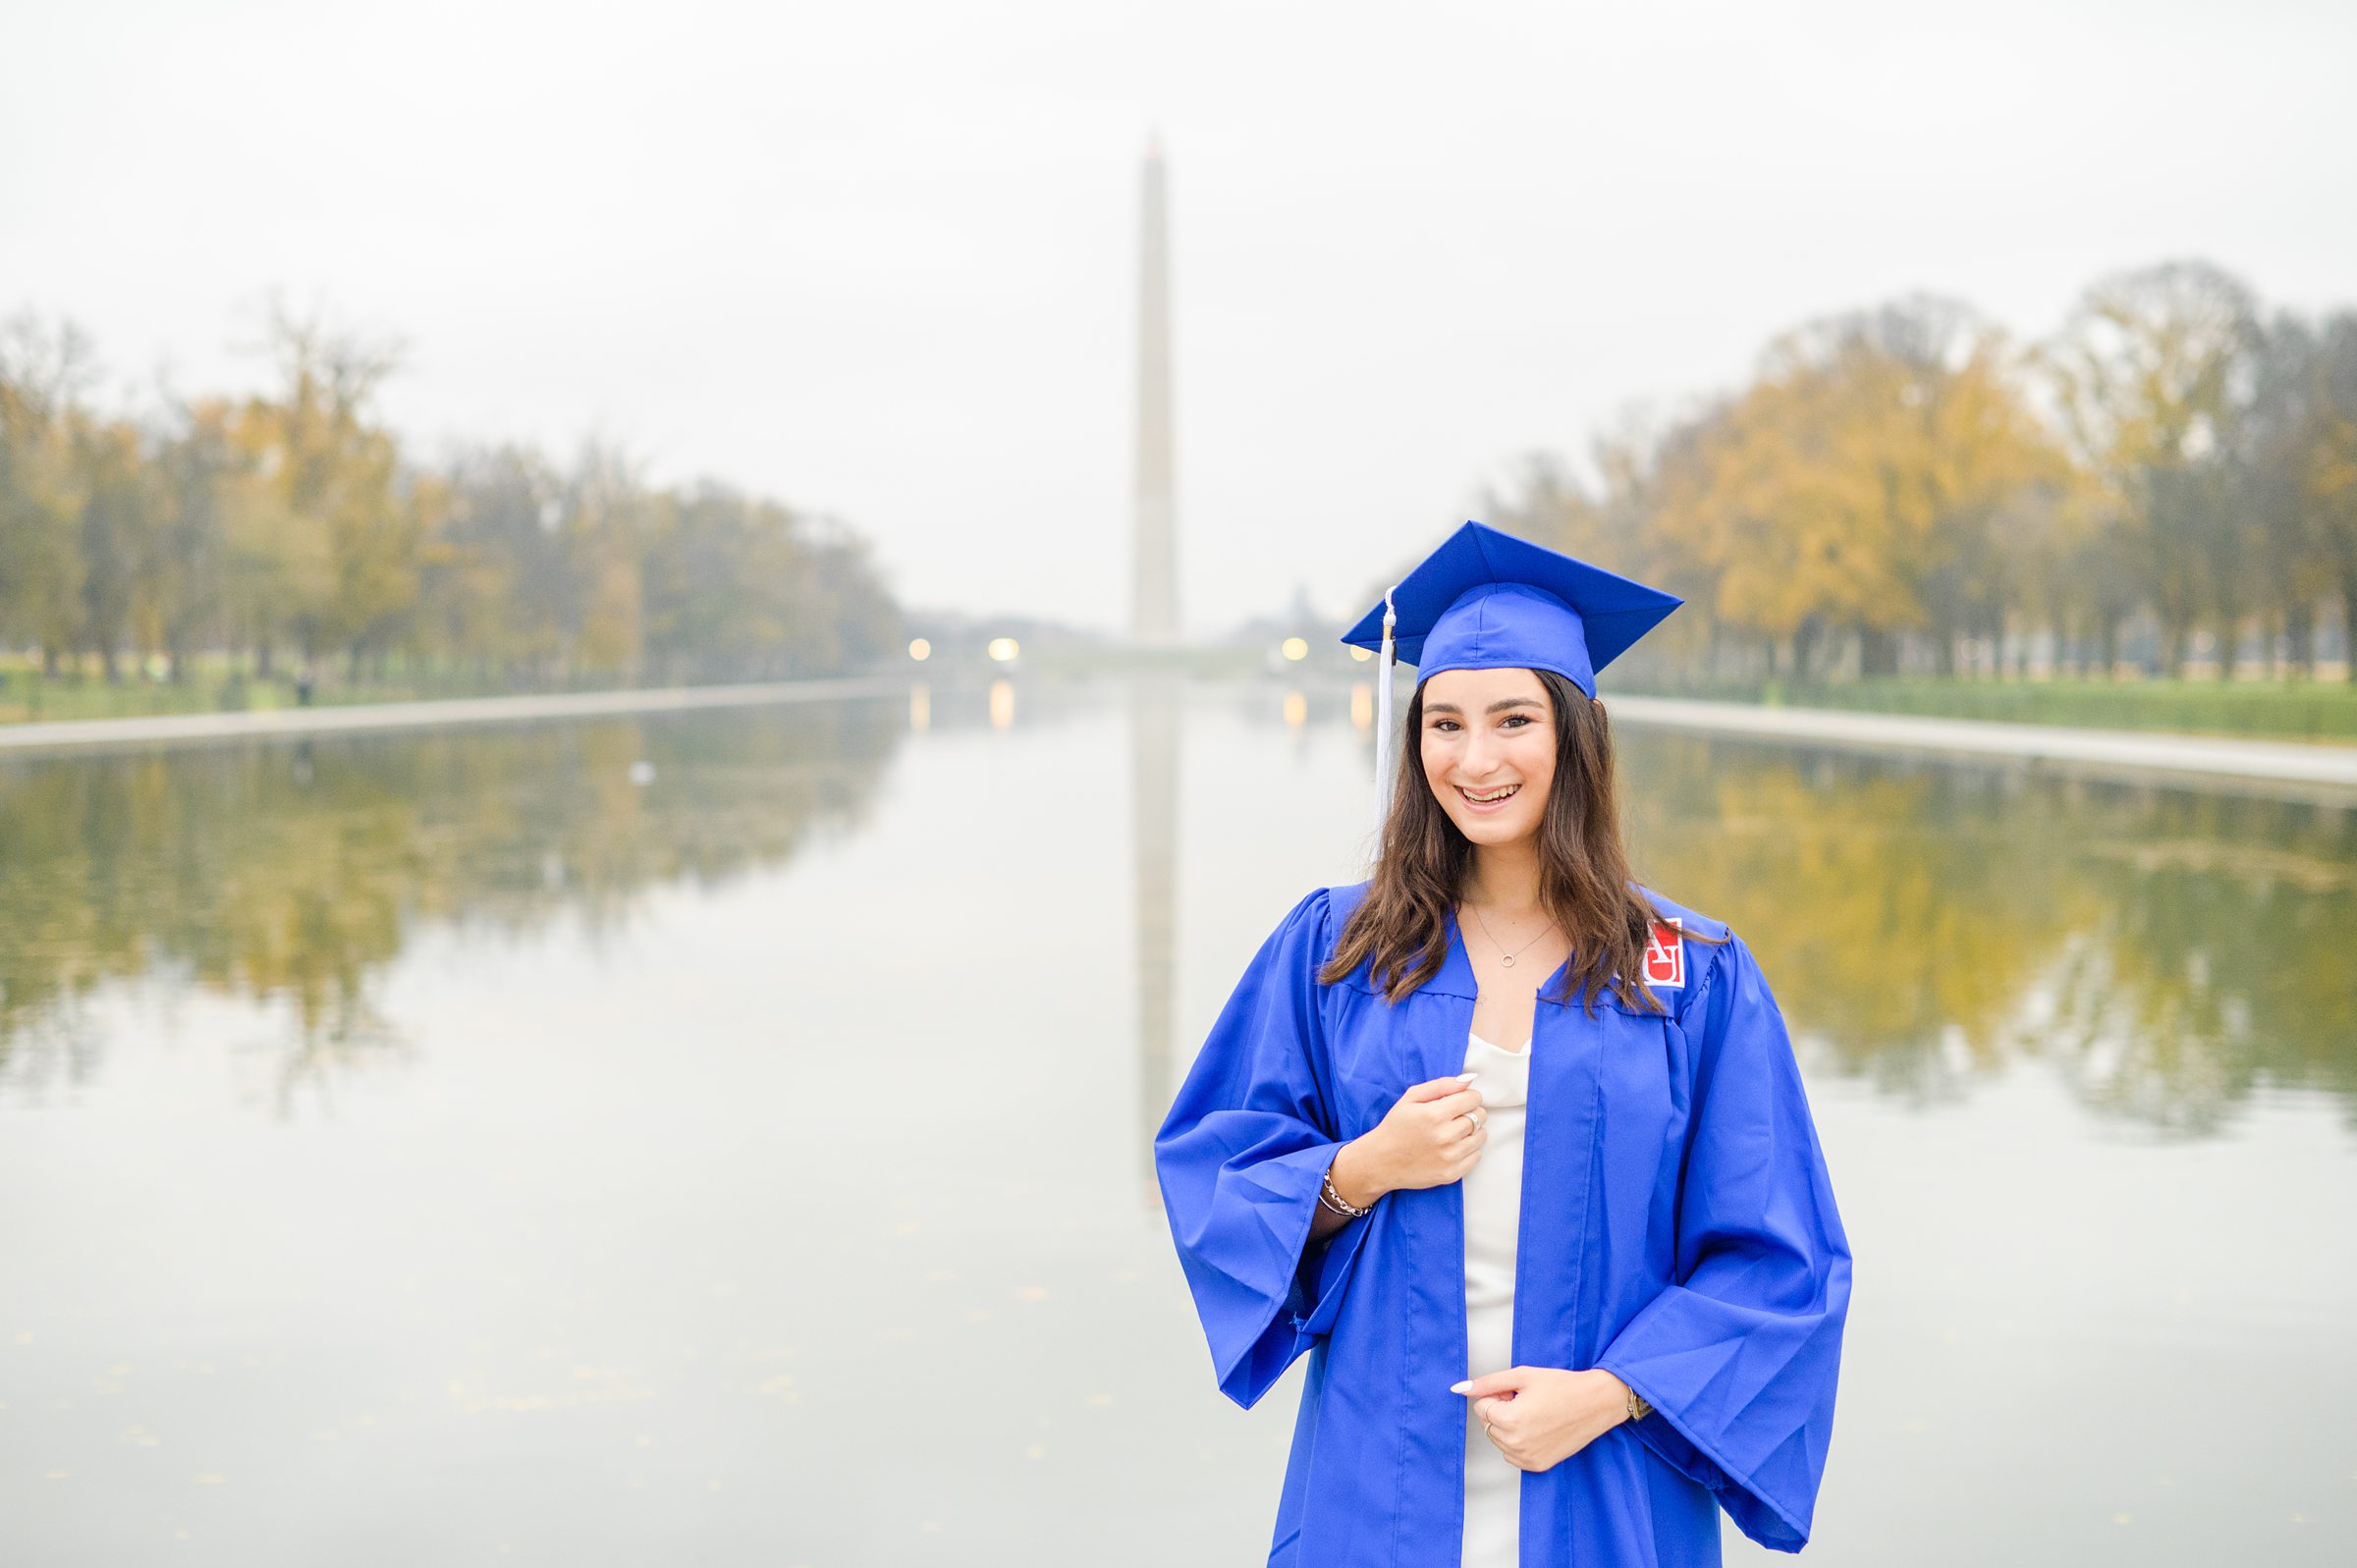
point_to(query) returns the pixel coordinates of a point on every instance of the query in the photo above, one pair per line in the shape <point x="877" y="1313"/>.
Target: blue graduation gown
<point x="1677" y="1228"/>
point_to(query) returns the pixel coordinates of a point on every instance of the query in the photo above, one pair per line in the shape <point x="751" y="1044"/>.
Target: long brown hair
<point x="1584" y="878"/>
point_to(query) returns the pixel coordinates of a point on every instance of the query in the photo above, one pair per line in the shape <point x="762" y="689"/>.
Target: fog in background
<point x="879" y="261"/>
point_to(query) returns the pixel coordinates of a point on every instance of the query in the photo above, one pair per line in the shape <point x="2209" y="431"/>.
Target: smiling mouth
<point x="1491" y="798"/>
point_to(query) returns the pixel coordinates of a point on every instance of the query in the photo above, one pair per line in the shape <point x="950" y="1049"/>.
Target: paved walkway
<point x="2329" y="769"/>
<point x="2135" y="751"/>
<point x="119" y="733"/>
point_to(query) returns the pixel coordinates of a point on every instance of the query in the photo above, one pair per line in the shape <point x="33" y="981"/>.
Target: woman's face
<point x="1489" y="751"/>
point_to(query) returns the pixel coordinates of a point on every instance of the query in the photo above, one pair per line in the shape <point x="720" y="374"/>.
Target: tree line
<point x="291" y="525"/>
<point x="2171" y="475"/>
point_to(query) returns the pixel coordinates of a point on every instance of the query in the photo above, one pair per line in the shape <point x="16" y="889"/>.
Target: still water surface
<point x="723" y="1138"/>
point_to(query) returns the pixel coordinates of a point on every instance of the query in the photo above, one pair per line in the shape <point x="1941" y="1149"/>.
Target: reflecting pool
<point x="723" y="1136"/>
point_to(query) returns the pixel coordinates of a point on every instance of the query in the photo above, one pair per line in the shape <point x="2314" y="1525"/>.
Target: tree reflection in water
<point x="2168" y="951"/>
<point x="296" y="873"/>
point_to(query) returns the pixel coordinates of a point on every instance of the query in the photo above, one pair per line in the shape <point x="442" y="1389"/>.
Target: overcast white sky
<point x="878" y="259"/>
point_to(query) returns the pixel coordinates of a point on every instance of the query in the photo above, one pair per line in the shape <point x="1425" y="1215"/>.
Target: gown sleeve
<point x="1739" y="1355"/>
<point x="1241" y="1157"/>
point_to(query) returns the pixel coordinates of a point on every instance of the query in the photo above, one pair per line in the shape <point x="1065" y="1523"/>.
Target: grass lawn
<point x="211" y="685"/>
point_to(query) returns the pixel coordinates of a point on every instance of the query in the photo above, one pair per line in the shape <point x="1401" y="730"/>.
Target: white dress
<point x="1493" y="1192"/>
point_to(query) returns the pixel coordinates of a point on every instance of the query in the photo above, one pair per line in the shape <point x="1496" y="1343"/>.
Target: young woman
<point x="1516" y="1149"/>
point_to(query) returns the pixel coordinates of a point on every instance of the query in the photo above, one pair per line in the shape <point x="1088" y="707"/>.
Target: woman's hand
<point x="1425" y="1140"/>
<point x="1541" y="1416"/>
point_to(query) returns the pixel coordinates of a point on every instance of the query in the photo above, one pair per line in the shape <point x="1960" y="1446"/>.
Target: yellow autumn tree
<point x="1879" y="476"/>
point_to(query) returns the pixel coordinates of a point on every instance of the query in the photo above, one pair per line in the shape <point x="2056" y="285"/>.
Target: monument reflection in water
<point x="728" y="1132"/>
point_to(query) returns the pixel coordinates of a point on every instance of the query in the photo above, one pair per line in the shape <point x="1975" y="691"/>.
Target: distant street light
<point x="1003" y="648"/>
<point x="1362" y="655"/>
<point x="1295" y="648"/>
<point x="920" y="650"/>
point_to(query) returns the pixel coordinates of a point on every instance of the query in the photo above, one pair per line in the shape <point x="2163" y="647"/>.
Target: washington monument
<point x="1153" y="547"/>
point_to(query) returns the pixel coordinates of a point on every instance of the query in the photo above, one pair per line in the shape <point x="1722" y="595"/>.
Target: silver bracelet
<point x="1334" y="1202"/>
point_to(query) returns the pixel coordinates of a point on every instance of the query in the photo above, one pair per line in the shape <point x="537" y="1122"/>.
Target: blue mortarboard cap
<point x="1486" y="600"/>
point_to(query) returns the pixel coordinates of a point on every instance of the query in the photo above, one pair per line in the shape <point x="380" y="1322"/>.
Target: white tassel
<point x="1382" y="724"/>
